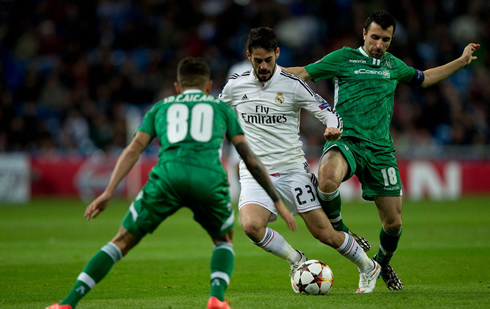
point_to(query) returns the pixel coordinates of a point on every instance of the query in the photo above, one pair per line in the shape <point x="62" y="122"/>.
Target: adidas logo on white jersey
<point x="244" y="97"/>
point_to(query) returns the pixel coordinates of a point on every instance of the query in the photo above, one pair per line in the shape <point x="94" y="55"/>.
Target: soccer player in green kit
<point x="190" y="127"/>
<point x="365" y="81"/>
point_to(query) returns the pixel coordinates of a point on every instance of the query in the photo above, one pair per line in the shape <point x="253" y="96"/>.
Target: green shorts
<point x="173" y="185"/>
<point x="374" y="166"/>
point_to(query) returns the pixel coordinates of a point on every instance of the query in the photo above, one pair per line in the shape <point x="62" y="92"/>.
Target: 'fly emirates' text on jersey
<point x="269" y="114"/>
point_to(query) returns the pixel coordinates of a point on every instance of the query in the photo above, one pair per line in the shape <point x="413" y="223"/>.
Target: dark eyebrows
<point x="377" y="37"/>
<point x="260" y="60"/>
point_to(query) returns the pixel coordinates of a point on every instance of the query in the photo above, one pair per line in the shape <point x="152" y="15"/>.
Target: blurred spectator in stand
<point x="56" y="56"/>
<point x="76" y="133"/>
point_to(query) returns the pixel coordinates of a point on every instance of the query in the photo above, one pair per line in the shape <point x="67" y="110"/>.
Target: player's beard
<point x="376" y="53"/>
<point x="258" y="73"/>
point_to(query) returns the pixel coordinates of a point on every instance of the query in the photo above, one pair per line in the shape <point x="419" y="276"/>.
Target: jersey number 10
<point x="201" y="122"/>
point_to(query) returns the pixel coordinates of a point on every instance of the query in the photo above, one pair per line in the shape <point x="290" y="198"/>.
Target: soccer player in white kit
<point x="268" y="101"/>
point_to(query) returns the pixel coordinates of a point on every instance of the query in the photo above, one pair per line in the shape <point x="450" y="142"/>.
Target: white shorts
<point x="297" y="190"/>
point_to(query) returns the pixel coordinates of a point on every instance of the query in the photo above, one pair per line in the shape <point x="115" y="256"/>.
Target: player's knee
<point x="328" y="185"/>
<point x="125" y="241"/>
<point x="393" y="226"/>
<point x="123" y="246"/>
<point x="227" y="237"/>
<point x="253" y="230"/>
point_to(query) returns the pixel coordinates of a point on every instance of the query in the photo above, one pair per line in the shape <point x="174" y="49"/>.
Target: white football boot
<point x="295" y="265"/>
<point x="367" y="278"/>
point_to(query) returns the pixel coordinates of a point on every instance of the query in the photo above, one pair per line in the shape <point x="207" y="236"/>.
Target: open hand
<point x="98" y="205"/>
<point x="468" y="52"/>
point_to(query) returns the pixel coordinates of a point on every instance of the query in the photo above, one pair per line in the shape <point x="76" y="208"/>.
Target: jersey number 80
<point x="201" y="122"/>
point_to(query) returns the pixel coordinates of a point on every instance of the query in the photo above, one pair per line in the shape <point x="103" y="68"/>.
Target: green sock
<point x="95" y="270"/>
<point x="331" y="203"/>
<point x="222" y="262"/>
<point x="388" y="242"/>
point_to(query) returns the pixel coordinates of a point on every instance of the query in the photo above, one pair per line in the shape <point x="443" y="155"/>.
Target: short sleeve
<point x="327" y="67"/>
<point x="148" y="125"/>
<point x="405" y="73"/>
<point x="233" y="127"/>
<point x="226" y="93"/>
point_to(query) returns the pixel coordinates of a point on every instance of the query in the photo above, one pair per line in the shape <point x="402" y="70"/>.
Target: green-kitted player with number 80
<point x="190" y="127"/>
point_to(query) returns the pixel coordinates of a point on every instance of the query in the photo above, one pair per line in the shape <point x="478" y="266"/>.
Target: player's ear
<point x="178" y="90"/>
<point x="208" y="87"/>
<point x="278" y="52"/>
<point x="249" y="56"/>
<point x="364" y="33"/>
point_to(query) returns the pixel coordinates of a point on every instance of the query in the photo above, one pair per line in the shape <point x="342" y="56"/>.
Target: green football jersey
<point x="364" y="90"/>
<point x="191" y="127"/>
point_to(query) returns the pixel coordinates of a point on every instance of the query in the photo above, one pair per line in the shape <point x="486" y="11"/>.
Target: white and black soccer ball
<point x="312" y="277"/>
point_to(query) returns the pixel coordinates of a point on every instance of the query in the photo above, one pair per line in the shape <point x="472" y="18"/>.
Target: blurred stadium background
<point x="76" y="77"/>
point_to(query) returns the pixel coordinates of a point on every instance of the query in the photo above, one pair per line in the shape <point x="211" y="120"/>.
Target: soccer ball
<point x="312" y="277"/>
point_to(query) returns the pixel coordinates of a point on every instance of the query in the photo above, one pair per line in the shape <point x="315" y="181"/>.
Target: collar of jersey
<point x="267" y="83"/>
<point x="373" y="61"/>
<point x="192" y="91"/>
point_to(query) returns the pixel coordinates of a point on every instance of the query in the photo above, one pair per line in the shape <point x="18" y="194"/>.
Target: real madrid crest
<point x="279" y="98"/>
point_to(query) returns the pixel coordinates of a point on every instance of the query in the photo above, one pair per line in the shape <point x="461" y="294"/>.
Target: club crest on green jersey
<point x="388" y="63"/>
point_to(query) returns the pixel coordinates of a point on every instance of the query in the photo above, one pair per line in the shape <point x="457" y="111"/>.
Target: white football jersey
<point x="269" y="114"/>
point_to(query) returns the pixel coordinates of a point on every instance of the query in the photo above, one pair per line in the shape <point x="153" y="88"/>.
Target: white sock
<point x="327" y="197"/>
<point x="274" y="243"/>
<point x="354" y="253"/>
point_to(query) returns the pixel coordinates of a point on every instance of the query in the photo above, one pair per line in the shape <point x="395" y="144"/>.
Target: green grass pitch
<point x="443" y="259"/>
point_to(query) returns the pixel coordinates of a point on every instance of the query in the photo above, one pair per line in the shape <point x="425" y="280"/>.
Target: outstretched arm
<point x="125" y="162"/>
<point x="435" y="75"/>
<point x="260" y="174"/>
<point x="298" y="71"/>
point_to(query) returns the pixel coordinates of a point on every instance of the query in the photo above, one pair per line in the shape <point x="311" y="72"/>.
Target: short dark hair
<point x="263" y="37"/>
<point x="193" y="72"/>
<point x="382" y="18"/>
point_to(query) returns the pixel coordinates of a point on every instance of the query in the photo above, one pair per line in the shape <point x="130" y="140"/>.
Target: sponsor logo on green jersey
<point x="357" y="61"/>
<point x="373" y="72"/>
